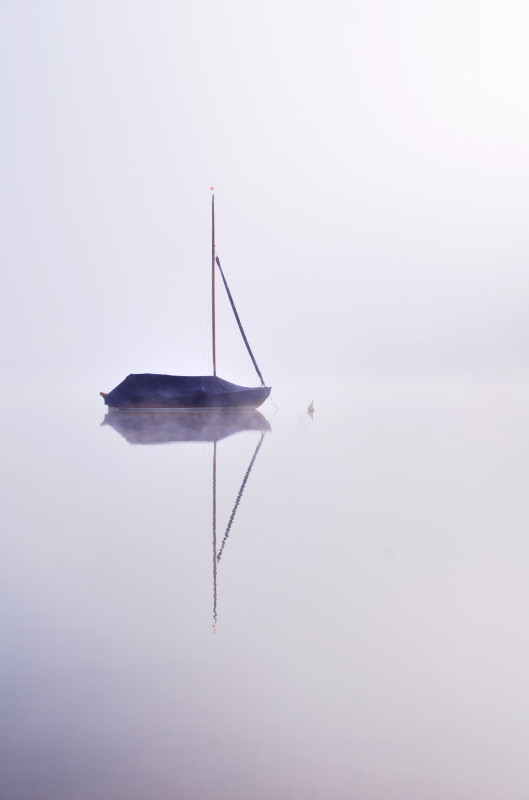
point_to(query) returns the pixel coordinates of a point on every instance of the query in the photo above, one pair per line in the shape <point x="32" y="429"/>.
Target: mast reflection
<point x="165" y="427"/>
<point x="239" y="497"/>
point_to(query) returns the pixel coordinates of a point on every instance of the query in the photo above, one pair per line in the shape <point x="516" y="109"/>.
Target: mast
<point x="213" y="282"/>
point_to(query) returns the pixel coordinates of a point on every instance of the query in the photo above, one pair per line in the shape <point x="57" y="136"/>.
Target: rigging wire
<point x="274" y="402"/>
<point x="230" y="298"/>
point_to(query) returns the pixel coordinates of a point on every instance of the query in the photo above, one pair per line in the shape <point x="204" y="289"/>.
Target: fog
<point x="369" y="164"/>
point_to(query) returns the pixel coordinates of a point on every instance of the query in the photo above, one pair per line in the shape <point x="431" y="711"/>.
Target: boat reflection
<point x="164" y="427"/>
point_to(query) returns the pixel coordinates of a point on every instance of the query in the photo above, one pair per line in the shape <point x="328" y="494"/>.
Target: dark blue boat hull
<point x="148" y="390"/>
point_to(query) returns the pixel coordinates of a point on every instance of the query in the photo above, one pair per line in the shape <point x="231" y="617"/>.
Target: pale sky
<point x="370" y="164"/>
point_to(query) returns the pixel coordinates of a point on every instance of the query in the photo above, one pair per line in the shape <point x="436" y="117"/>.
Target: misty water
<point x="362" y="630"/>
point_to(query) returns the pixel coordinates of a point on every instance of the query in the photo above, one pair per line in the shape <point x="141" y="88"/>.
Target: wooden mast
<point x="214" y="443"/>
<point x="213" y="282"/>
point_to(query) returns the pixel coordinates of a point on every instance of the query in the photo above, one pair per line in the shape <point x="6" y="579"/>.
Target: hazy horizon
<point x="369" y="169"/>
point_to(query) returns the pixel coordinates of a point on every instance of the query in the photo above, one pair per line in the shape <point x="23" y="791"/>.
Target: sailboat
<point x="149" y="391"/>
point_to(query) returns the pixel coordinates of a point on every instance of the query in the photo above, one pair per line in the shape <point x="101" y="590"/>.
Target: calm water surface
<point x="362" y="630"/>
